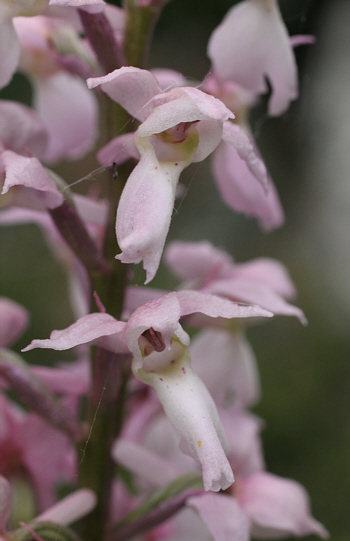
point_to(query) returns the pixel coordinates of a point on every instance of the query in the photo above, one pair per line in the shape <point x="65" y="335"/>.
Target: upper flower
<point x="251" y="44"/>
<point x="178" y="126"/>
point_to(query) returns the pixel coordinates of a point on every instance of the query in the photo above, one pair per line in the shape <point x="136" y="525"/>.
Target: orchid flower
<point x="158" y="344"/>
<point x="251" y="44"/>
<point x="180" y="126"/>
<point x="261" y="281"/>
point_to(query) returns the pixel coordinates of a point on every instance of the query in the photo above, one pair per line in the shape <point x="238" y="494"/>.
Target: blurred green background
<point x="304" y="371"/>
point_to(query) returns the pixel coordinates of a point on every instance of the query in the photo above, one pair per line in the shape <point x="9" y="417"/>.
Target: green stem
<point x="139" y="28"/>
<point x="97" y="469"/>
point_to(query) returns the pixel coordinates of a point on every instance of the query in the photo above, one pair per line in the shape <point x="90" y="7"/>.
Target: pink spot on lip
<point x="184" y="371"/>
<point x="161" y="379"/>
<point x="176" y="164"/>
<point x="172" y="362"/>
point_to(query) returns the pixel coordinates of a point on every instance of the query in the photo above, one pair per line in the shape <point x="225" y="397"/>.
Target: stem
<point x="106" y="402"/>
<point x="139" y="28"/>
<point x="74" y="232"/>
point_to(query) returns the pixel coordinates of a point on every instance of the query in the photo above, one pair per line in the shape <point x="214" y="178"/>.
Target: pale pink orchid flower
<point x="67" y="109"/>
<point x="252" y="44"/>
<point x="68" y="510"/>
<point x="178" y="127"/>
<point x="262" y="281"/>
<point x="158" y="343"/>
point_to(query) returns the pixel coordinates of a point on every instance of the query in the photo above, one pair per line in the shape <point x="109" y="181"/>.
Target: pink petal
<point x="5" y="502"/>
<point x="118" y="150"/>
<point x="31" y="175"/>
<point x="223" y="516"/>
<point x="243" y="434"/>
<point x="71" y="379"/>
<point x="251" y="43"/>
<point x="9" y="48"/>
<point x="132" y="87"/>
<point x="213" y="306"/>
<point x="266" y="271"/>
<point x="252" y="292"/>
<point x="168" y="78"/>
<point x="86" y="329"/>
<point x="234" y="135"/>
<point x="226" y="363"/>
<point x="71" y="508"/>
<point x="277" y="507"/>
<point x="182" y="105"/>
<point x="93" y="6"/>
<point x="70" y="114"/>
<point x="21" y="129"/>
<point x="196" y="260"/>
<point x="145" y="209"/>
<point x="13" y="321"/>
<point x="153" y="468"/>
<point x="240" y="189"/>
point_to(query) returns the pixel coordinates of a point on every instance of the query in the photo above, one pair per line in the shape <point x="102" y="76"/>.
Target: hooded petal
<point x="162" y="314"/>
<point x="223" y="516"/>
<point x="132" y="88"/>
<point x="86" y="329"/>
<point x="252" y="43"/>
<point x="191" y="410"/>
<point x="277" y="507"/>
<point x="240" y="189"/>
<point x="179" y="105"/>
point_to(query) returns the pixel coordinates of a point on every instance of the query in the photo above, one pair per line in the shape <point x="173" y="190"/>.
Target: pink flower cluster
<point x="186" y="405"/>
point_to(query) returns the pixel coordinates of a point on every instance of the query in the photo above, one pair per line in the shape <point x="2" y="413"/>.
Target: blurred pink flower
<point x="251" y="44"/>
